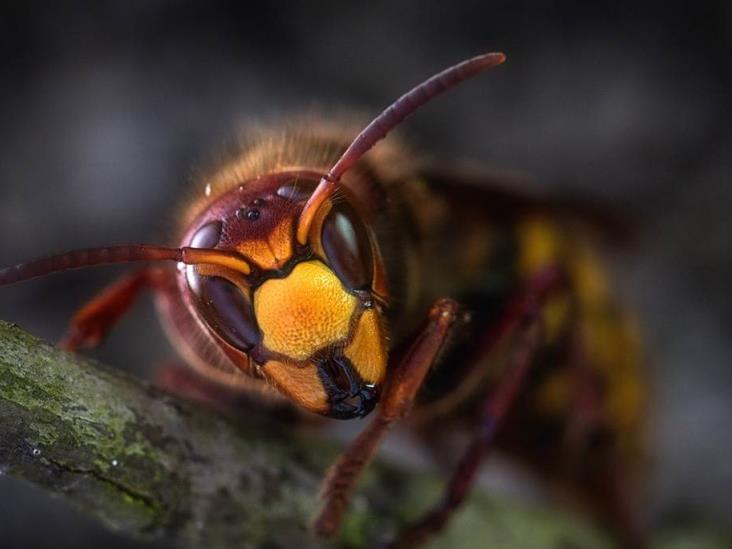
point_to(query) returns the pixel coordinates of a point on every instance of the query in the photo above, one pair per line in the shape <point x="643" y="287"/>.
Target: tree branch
<point x="153" y="466"/>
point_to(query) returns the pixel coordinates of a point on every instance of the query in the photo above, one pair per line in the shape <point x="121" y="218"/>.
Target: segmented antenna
<point x="120" y="254"/>
<point x="389" y="119"/>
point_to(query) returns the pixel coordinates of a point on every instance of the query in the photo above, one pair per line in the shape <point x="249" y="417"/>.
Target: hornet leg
<point x="91" y="324"/>
<point x="523" y="323"/>
<point x="398" y="398"/>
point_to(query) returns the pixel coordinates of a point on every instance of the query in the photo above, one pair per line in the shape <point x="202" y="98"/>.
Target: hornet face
<point x="304" y="317"/>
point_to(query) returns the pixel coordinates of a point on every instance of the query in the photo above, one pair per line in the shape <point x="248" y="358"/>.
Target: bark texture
<point x="155" y="467"/>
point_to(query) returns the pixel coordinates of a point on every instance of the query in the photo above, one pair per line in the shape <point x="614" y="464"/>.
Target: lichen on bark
<point x="153" y="466"/>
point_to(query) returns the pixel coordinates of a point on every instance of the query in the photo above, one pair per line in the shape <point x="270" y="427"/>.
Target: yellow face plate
<point x="304" y="312"/>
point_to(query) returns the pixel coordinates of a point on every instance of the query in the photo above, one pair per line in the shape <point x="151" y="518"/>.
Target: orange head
<point x="305" y="317"/>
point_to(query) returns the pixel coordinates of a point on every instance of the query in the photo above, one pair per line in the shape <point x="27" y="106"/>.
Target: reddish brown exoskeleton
<point x="338" y="278"/>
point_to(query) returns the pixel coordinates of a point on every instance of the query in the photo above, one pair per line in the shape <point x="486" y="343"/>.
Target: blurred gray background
<point x="107" y="109"/>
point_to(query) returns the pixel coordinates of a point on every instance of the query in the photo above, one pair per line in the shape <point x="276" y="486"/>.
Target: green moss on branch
<point x="152" y="466"/>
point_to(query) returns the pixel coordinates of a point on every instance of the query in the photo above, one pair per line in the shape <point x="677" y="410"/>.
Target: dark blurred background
<point x="108" y="108"/>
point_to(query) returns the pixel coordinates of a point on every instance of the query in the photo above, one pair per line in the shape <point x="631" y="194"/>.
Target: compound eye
<point x="207" y="236"/>
<point x="347" y="246"/>
<point x="228" y="312"/>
